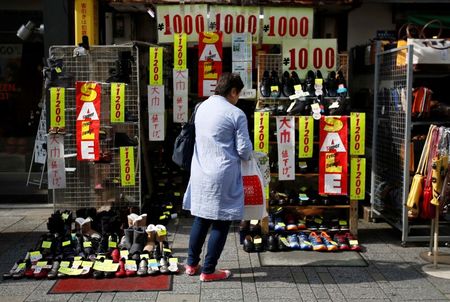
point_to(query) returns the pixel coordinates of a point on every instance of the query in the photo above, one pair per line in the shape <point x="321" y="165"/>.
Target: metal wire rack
<point x="90" y="184"/>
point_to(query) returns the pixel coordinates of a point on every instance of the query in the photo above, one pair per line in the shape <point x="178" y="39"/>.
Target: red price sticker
<point x="155" y="65"/>
<point x="281" y="23"/>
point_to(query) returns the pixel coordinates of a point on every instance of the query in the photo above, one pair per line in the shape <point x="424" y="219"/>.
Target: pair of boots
<point x="84" y="226"/>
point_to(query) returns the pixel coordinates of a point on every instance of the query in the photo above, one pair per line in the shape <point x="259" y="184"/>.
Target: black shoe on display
<point x="55" y="75"/>
<point x="264" y="87"/>
<point x="320" y="89"/>
<point x="248" y="244"/>
<point x="122" y="70"/>
<point x="275" y="82"/>
<point x="309" y="83"/>
<point x="122" y="140"/>
<point x="295" y="79"/>
<point x="287" y="85"/>
<point x="331" y="84"/>
<point x="272" y="243"/>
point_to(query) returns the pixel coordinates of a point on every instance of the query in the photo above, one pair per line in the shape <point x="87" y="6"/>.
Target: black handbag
<point x="183" y="148"/>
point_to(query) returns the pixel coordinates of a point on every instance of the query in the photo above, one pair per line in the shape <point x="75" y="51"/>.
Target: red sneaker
<point x="191" y="270"/>
<point x="353" y="242"/>
<point x="216" y="276"/>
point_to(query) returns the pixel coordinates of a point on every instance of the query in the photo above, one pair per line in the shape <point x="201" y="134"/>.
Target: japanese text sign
<point x="155" y="65"/>
<point x="156" y="108"/>
<point x="333" y="156"/>
<point x="57" y="107"/>
<point x="286" y="147"/>
<point x="55" y="161"/>
<point x="88" y="98"/>
<point x="234" y="19"/>
<point x="179" y="51"/>
<point x="261" y="132"/>
<point x="304" y="55"/>
<point x="357" y="178"/>
<point x="281" y="23"/>
<point x="86" y="20"/>
<point x="357" y="133"/>
<point x="209" y="62"/>
<point x="180" y="96"/>
<point x="306" y="136"/>
<point x="176" y="19"/>
<point x="117" y="102"/>
<point x="127" y="166"/>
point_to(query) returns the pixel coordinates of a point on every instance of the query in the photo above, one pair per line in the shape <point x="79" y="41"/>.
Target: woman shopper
<point x="215" y="194"/>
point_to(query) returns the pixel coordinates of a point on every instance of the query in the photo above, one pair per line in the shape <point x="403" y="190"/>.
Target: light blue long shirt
<point x="215" y="189"/>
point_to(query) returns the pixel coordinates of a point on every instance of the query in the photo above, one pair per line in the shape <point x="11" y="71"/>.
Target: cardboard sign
<point x="209" y="62"/>
<point x="179" y="51"/>
<point x="56" y="162"/>
<point x="180" y="96"/>
<point x="57" y="107"/>
<point x="333" y="163"/>
<point x="156" y="128"/>
<point x="261" y="132"/>
<point x="283" y="23"/>
<point x="306" y="136"/>
<point x="88" y="98"/>
<point x="127" y="166"/>
<point x="286" y="147"/>
<point x="357" y="178"/>
<point x="156" y="108"/>
<point x="357" y="133"/>
<point x="117" y="102"/>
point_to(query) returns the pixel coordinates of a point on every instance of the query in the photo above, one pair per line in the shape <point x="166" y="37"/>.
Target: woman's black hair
<point x="227" y="82"/>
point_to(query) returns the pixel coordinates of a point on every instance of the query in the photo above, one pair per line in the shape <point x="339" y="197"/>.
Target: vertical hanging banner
<point x="57" y="107"/>
<point x="234" y="20"/>
<point x="179" y="51"/>
<point x="306" y="136"/>
<point x="55" y="161"/>
<point x="127" y="166"/>
<point x="286" y="147"/>
<point x="261" y="132"/>
<point x="241" y="50"/>
<point x="357" y="178"/>
<point x="88" y="98"/>
<point x="156" y="65"/>
<point x="357" y="133"/>
<point x="86" y="21"/>
<point x="333" y="163"/>
<point x="156" y="108"/>
<point x="180" y="96"/>
<point x="209" y="62"/>
<point x="117" y="102"/>
<point x="175" y="19"/>
<point x="281" y="23"/>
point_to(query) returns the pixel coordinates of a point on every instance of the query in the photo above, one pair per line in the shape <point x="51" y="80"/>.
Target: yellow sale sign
<point x="57" y="107"/>
<point x="357" y="178"/>
<point x="306" y="136"/>
<point x="179" y="51"/>
<point x="261" y="132"/>
<point x="86" y="20"/>
<point x="127" y="166"/>
<point x="357" y="133"/>
<point x="155" y="65"/>
<point x="117" y="102"/>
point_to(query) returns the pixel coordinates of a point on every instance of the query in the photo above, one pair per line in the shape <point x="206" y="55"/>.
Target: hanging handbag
<point x="416" y="190"/>
<point x="183" y="148"/>
<point x="427" y="209"/>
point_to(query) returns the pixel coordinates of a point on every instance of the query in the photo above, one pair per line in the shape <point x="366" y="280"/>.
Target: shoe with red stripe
<point x="216" y="276"/>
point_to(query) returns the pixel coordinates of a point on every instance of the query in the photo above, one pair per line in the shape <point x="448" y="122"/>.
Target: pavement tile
<point x="354" y="292"/>
<point x="106" y="297"/>
<point x="136" y="296"/>
<point x="423" y="294"/>
<point x="221" y="294"/>
<point x="38" y="297"/>
<point x="13" y="299"/>
<point x="320" y="292"/>
<point x="271" y="281"/>
<point x="229" y="283"/>
<point x="169" y="297"/>
<point x="78" y="298"/>
<point x="16" y="290"/>
<point x="278" y="294"/>
<point x="92" y="297"/>
<point x="187" y="288"/>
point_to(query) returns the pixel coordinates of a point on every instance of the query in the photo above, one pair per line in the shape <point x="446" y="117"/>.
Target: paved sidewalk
<point x="394" y="273"/>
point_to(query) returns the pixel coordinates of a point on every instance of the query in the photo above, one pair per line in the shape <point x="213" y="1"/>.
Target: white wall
<point x="363" y="22"/>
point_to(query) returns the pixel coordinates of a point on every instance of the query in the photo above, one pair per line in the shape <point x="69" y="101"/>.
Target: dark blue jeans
<point x="216" y="242"/>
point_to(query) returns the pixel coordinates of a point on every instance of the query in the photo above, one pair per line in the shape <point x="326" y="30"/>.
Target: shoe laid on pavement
<point x="317" y="242"/>
<point x="216" y="276"/>
<point x="329" y="243"/>
<point x="342" y="242"/>
<point x="353" y="242"/>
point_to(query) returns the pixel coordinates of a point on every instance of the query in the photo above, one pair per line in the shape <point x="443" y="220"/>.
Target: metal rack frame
<point x="80" y="189"/>
<point x="391" y="145"/>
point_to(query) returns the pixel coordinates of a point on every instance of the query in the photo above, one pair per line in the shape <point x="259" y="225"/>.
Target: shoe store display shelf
<point x="98" y="183"/>
<point x="394" y="128"/>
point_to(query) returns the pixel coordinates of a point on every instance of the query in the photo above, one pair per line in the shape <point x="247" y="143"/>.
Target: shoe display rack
<point x="395" y="133"/>
<point x="296" y="211"/>
<point x="89" y="183"/>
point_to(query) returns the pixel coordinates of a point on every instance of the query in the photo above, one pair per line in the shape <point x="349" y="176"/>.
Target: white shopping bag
<point x="254" y="197"/>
